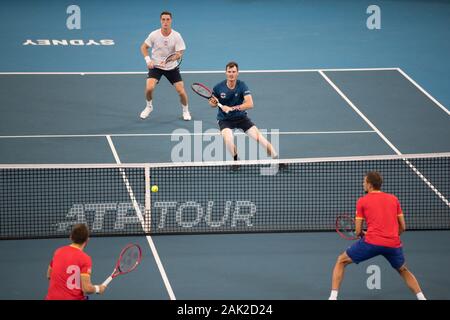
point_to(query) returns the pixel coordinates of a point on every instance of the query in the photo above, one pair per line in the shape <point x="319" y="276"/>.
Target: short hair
<point x="231" y="64"/>
<point x="165" y="12"/>
<point x="80" y="233"/>
<point x="375" y="179"/>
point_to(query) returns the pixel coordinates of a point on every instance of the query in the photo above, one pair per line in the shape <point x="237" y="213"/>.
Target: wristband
<point x="147" y="59"/>
<point x="97" y="289"/>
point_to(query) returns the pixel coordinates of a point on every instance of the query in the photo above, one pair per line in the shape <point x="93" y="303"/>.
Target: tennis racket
<point x="129" y="259"/>
<point x="205" y="92"/>
<point x="173" y="60"/>
<point x="345" y="227"/>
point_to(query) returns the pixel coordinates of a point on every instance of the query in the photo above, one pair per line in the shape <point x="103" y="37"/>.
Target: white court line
<point x="181" y="134"/>
<point x="390" y="144"/>
<point x="141" y="218"/>
<point x="424" y="91"/>
<point x="195" y="72"/>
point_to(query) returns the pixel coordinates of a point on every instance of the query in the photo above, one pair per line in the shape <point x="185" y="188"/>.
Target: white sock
<point x="420" y="296"/>
<point x="185" y="108"/>
<point x="333" y="295"/>
<point x="149" y="104"/>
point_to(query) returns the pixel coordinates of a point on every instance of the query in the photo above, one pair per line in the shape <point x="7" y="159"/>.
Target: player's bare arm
<point x="401" y="224"/>
<point x="247" y="104"/>
<point x="88" y="287"/>
<point x="144" y="51"/>
<point x="359" y="227"/>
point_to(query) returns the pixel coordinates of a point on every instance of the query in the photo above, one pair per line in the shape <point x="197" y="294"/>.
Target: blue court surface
<point x="323" y="84"/>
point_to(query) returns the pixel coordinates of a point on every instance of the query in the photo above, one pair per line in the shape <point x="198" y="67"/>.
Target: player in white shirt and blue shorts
<point x="163" y="42"/>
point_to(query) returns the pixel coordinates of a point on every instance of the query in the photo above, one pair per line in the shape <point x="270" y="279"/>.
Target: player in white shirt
<point x="163" y="42"/>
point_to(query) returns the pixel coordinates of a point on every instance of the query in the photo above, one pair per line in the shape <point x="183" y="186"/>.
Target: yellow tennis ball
<point x="154" y="188"/>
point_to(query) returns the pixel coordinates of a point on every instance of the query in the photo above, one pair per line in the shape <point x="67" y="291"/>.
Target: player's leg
<point x="411" y="281"/>
<point x="149" y="88"/>
<point x="152" y="80"/>
<point x="359" y="251"/>
<point x="338" y="274"/>
<point x="174" y="77"/>
<point x="254" y="133"/>
<point x="179" y="87"/>
<point x="397" y="260"/>
<point x="228" y="138"/>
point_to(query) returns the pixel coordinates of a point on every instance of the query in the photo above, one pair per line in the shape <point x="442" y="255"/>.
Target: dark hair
<point x="165" y="12"/>
<point x="375" y="179"/>
<point x="232" y="64"/>
<point x="80" y="233"/>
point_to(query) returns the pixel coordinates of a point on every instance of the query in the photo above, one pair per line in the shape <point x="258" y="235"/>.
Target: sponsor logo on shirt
<point x="223" y="95"/>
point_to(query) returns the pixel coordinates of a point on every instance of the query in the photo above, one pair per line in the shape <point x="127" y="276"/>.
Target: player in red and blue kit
<point x="69" y="271"/>
<point x="385" y="222"/>
<point x="236" y="99"/>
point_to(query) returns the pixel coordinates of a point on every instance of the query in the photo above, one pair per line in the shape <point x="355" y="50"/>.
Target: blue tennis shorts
<point x="243" y="123"/>
<point x="361" y="251"/>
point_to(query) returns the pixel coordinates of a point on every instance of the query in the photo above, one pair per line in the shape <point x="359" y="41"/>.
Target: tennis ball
<point x="154" y="188"/>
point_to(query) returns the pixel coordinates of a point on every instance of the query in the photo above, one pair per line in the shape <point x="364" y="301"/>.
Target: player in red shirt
<point x="69" y="271"/>
<point x="385" y="222"/>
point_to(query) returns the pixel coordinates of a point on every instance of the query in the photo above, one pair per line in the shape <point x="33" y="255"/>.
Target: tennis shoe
<point x="186" y="115"/>
<point x="283" y="166"/>
<point x="146" y="112"/>
<point x="235" y="167"/>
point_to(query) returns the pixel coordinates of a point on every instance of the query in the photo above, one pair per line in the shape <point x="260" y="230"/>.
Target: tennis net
<point x="44" y="201"/>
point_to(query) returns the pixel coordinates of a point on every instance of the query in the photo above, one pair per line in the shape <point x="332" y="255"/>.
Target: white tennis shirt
<point x="163" y="46"/>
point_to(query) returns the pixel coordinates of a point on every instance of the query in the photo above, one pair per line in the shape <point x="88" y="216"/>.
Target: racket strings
<point x="201" y="91"/>
<point x="129" y="259"/>
<point x="170" y="58"/>
<point x="346" y="226"/>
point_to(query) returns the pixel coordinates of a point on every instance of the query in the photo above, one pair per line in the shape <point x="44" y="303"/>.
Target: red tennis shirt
<point x="68" y="264"/>
<point x="381" y="211"/>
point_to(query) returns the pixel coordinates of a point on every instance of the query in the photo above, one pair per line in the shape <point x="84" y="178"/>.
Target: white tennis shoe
<point x="186" y="115"/>
<point x="146" y="112"/>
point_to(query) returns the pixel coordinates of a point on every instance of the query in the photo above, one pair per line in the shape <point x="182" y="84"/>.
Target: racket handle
<point x="221" y="107"/>
<point x="107" y="281"/>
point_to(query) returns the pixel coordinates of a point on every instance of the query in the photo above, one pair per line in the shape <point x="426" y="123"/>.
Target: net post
<point x="148" y="206"/>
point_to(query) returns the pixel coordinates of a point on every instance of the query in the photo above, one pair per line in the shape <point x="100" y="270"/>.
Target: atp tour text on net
<point x="235" y="212"/>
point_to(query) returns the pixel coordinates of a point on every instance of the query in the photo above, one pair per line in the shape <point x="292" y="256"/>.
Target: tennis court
<point x="333" y="109"/>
